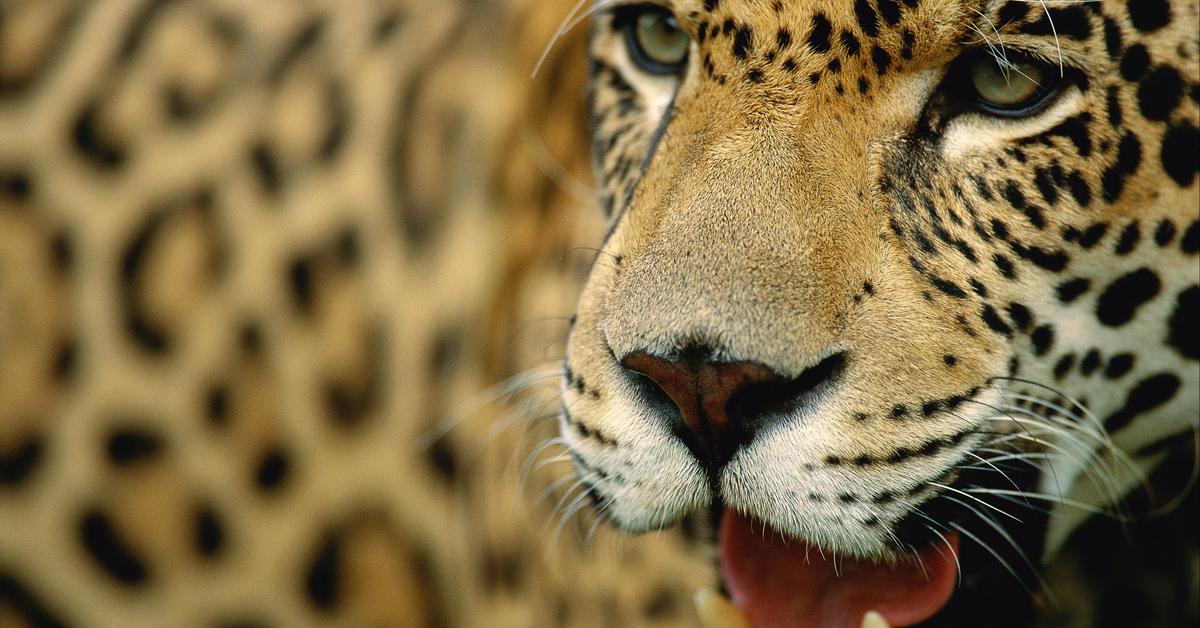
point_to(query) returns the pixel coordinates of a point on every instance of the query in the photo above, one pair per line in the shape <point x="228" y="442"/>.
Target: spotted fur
<point x="253" y="255"/>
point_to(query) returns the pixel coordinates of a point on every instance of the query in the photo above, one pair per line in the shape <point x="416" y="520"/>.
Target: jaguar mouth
<point x="775" y="582"/>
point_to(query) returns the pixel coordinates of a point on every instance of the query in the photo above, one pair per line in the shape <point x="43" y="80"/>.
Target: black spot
<point x="742" y="42"/>
<point x="149" y="335"/>
<point x="301" y="42"/>
<point x="1129" y="156"/>
<point x="890" y="10"/>
<point x="101" y="151"/>
<point x="18" y="463"/>
<point x="15" y="185"/>
<point x="216" y="405"/>
<point x="1149" y="15"/>
<point x="109" y="551"/>
<point x="818" y="37"/>
<point x="66" y="360"/>
<point x="850" y="43"/>
<point x="1112" y="37"/>
<point x="947" y="287"/>
<point x="978" y="288"/>
<point x="444" y="459"/>
<point x="1149" y="393"/>
<point x="251" y="337"/>
<point x="1074" y="129"/>
<point x="1042" y="339"/>
<point x="949" y="360"/>
<point x="62" y="251"/>
<point x="265" y="165"/>
<point x="322" y="580"/>
<point x="301" y="280"/>
<point x="1004" y="265"/>
<point x="1071" y="289"/>
<point x="1160" y="93"/>
<point x="1182" y="335"/>
<point x="21" y="604"/>
<point x="387" y="26"/>
<point x="1045" y="186"/>
<point x="1093" y="234"/>
<point x="1063" y="366"/>
<point x="1113" y="101"/>
<point x="1190" y="242"/>
<point x="1021" y="317"/>
<point x="881" y="59"/>
<point x="1053" y="261"/>
<point x="1013" y="12"/>
<point x="130" y="445"/>
<point x="868" y="20"/>
<point x="899" y="411"/>
<point x="1180" y="159"/>
<point x="1121" y="299"/>
<point x="1128" y="239"/>
<point x="1091" y="361"/>
<point x="783" y="39"/>
<point x="992" y="318"/>
<point x="1118" y="365"/>
<point x="754" y="76"/>
<point x="909" y="40"/>
<point x="1070" y="22"/>
<point x="863" y="85"/>
<point x="272" y="470"/>
<point x="1164" y="233"/>
<point x="348" y="247"/>
<point x="209" y="532"/>
<point x="1134" y="63"/>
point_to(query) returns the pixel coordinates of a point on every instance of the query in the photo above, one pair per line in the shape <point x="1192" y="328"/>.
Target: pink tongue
<point x="776" y="586"/>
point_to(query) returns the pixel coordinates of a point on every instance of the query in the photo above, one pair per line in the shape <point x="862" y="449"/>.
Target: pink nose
<point x="701" y="390"/>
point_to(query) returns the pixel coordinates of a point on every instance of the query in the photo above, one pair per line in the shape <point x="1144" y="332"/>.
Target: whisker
<point x="955" y="490"/>
<point x="497" y="392"/>
<point x="1043" y="496"/>
<point x="995" y="554"/>
<point x="1012" y="542"/>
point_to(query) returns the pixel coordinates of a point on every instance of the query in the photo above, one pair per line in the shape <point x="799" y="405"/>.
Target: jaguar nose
<point x="722" y="405"/>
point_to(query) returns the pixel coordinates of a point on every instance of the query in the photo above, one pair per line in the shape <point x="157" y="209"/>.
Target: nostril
<point x="651" y="395"/>
<point x="757" y="402"/>
<point x="717" y="407"/>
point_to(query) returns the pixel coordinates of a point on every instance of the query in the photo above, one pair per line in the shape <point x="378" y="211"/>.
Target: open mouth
<point x="777" y="583"/>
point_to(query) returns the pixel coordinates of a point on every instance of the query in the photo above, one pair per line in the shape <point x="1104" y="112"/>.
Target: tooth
<point x="874" y="620"/>
<point x="717" y="611"/>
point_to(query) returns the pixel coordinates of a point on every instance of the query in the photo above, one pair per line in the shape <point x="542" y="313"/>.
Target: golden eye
<point x="656" y="42"/>
<point x="1018" y="88"/>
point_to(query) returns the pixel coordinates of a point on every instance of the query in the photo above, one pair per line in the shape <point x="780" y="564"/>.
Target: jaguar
<point x="904" y="293"/>
<point x="262" y="265"/>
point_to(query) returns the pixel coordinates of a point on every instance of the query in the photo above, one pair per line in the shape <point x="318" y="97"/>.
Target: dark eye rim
<point x="626" y="18"/>
<point x="1047" y="93"/>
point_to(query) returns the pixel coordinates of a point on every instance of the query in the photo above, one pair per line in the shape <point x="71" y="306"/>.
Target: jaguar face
<point x="888" y="280"/>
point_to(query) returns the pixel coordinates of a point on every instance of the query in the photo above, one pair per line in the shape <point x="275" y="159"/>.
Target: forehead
<point x="934" y="22"/>
<point x="870" y="17"/>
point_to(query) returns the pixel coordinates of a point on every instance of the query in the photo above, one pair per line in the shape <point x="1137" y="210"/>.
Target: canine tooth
<point x="874" y="620"/>
<point x="717" y="611"/>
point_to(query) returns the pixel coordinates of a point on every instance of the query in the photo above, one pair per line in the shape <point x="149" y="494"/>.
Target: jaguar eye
<point x="1013" y="88"/>
<point x="655" y="41"/>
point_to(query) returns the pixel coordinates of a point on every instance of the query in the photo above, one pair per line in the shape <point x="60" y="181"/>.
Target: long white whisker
<point x="945" y="487"/>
